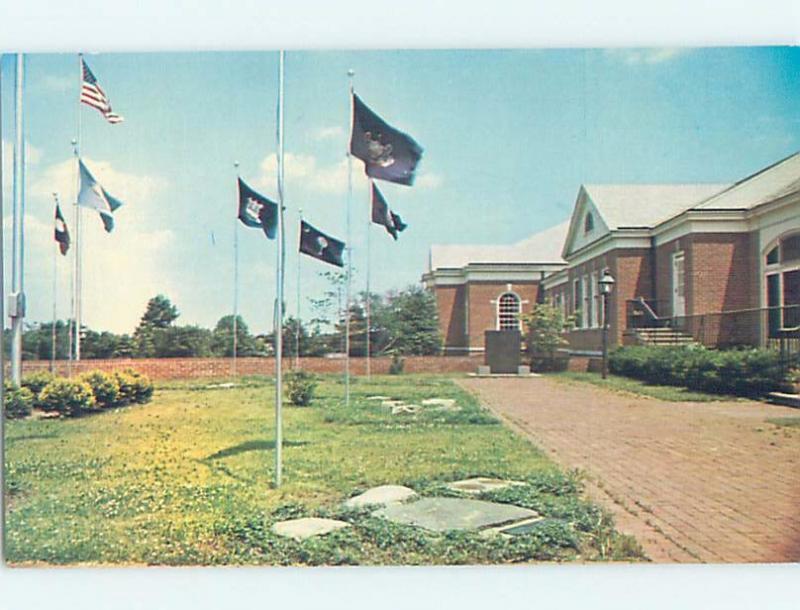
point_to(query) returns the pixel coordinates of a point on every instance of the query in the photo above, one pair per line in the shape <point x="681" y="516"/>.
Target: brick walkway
<point x="708" y="482"/>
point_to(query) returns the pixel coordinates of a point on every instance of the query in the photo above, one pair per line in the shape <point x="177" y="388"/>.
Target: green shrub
<point x="35" y="382"/>
<point x="105" y="387"/>
<point x="69" y="397"/>
<point x="300" y="386"/>
<point x="18" y="402"/>
<point x="134" y="387"/>
<point x="397" y="365"/>
<point x="747" y="372"/>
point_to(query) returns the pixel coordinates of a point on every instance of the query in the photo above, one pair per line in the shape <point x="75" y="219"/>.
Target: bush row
<point x="88" y="392"/>
<point x="746" y="372"/>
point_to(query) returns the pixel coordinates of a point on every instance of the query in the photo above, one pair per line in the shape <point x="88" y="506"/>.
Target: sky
<point x="509" y="136"/>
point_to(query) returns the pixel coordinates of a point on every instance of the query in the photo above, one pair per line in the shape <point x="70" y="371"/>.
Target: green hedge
<point x="105" y="387"/>
<point x="747" y="372"/>
<point x="18" y="402"/>
<point x="68" y="397"/>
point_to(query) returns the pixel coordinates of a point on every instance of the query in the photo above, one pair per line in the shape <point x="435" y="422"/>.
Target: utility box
<point x="502" y="353"/>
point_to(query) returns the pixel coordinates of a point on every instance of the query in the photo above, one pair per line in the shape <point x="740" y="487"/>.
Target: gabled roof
<point x="630" y="206"/>
<point x="542" y="247"/>
<point x="771" y="183"/>
<point x="646" y="205"/>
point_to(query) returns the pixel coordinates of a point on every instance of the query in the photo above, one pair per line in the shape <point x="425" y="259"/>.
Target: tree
<point x="182" y="342"/>
<point x="159" y="315"/>
<point x="544" y="330"/>
<point x="222" y="340"/>
<point x="406" y="323"/>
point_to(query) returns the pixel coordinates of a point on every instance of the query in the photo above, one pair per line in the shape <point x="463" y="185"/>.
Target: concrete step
<point x="787" y="400"/>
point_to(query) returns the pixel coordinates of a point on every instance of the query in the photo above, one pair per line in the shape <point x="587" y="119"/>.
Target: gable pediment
<point x="586" y="224"/>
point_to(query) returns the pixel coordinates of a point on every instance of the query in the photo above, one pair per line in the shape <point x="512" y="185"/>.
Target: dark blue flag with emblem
<point x="256" y="211"/>
<point x="323" y="247"/>
<point x="387" y="153"/>
<point x="382" y="215"/>
<point x="61" y="234"/>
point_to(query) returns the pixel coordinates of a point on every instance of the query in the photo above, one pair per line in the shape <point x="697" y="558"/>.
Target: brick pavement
<point x="693" y="482"/>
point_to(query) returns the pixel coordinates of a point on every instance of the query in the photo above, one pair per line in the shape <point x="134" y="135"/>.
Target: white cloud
<point x="328" y="133"/>
<point x="121" y="270"/>
<point x="304" y="171"/>
<point x="428" y="181"/>
<point x="646" y="56"/>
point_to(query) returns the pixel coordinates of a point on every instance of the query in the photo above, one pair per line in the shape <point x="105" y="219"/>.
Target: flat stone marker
<point x="479" y="485"/>
<point x="300" y="529"/>
<point x="392" y="402"/>
<point x="383" y="494"/>
<point x="517" y="529"/>
<point x="404" y="408"/>
<point x="379" y="397"/>
<point x="442" y="514"/>
<point x="444" y="403"/>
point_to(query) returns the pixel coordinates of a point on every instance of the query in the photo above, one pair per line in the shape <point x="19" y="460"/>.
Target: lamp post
<point x="606" y="286"/>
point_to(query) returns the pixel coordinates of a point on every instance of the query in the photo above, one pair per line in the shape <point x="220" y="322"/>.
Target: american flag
<point x="92" y="95"/>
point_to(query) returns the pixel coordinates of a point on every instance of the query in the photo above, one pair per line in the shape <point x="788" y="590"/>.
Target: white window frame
<point x="587" y="301"/>
<point x="498" y="313"/>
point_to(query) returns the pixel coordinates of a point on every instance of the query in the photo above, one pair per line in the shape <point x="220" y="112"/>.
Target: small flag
<point x="256" y="211"/>
<point x="92" y="95"/>
<point x="382" y="215"/>
<point x="388" y="154"/>
<point x="61" y="234"/>
<point x="95" y="197"/>
<point x="324" y="247"/>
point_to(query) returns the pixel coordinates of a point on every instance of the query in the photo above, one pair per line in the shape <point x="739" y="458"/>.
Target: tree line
<point x="401" y="322"/>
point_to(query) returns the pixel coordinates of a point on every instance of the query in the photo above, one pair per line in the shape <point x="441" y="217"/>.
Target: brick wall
<point x="483" y="312"/>
<point x="187" y="368"/>
<point x="452" y="308"/>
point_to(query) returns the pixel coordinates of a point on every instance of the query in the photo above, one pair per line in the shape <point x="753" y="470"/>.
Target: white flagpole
<point x="2" y="325"/>
<point x="368" y="306"/>
<point x="18" y="235"/>
<point x="297" y="287"/>
<point x="53" y="337"/>
<point x="350" y="74"/>
<point x="235" y="278"/>
<point x="78" y="244"/>
<point x="279" y="288"/>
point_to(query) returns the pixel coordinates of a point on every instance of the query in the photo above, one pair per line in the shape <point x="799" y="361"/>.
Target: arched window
<point x="782" y="282"/>
<point x="588" y="223"/>
<point x="508" y="309"/>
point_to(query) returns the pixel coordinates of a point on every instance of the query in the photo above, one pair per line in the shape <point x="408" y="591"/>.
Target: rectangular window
<point x="586" y="313"/>
<point x="791" y="299"/>
<point x="577" y="300"/>
<point x="773" y="303"/>
<point x="597" y="320"/>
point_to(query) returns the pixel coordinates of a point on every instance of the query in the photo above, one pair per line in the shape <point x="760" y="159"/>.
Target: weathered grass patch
<point x="187" y="480"/>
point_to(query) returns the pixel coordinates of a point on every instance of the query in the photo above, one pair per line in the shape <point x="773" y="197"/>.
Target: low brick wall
<point x="187" y="368"/>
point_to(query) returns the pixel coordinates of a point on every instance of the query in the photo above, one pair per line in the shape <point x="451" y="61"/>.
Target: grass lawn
<point x="634" y="386"/>
<point x="186" y="480"/>
<point x="784" y="422"/>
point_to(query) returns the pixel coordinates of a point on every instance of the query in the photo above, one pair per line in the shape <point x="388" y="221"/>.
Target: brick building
<point x="713" y="263"/>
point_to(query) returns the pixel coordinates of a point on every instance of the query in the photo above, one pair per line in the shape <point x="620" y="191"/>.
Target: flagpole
<point x="18" y="235"/>
<point x="78" y="242"/>
<point x="350" y="75"/>
<point x="235" y="280"/>
<point x="55" y="297"/>
<point x="297" y="288"/>
<point x="2" y="323"/>
<point x="279" y="286"/>
<point x="368" y="307"/>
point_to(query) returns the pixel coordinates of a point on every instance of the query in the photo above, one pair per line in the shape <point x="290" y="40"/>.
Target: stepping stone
<point x="379" y="397"/>
<point x="217" y="386"/>
<point x="392" y="402"/>
<point x="300" y="529"/>
<point x="524" y="527"/>
<point x="403" y="408"/>
<point x="444" y="403"/>
<point x="383" y="494"/>
<point x="478" y="485"/>
<point x="443" y="514"/>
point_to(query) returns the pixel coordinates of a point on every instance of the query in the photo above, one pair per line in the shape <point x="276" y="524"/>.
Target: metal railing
<point x="771" y="327"/>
